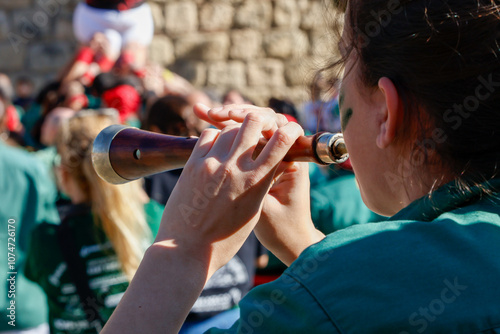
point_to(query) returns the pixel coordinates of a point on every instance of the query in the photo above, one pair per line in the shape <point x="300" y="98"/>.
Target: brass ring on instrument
<point x="100" y="154"/>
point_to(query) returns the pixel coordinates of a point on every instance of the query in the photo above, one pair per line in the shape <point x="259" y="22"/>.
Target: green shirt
<point x="434" y="267"/>
<point x="46" y="266"/>
<point x="28" y="197"/>
<point x="336" y="204"/>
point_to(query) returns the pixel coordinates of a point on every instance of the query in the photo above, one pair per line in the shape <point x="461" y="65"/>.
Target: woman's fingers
<point x="201" y="111"/>
<point x="241" y="114"/>
<point x="229" y="114"/>
<point x="241" y="142"/>
<point x="234" y="112"/>
<point x="279" y="144"/>
<point x="224" y="141"/>
<point x="251" y="131"/>
<point x="204" y="143"/>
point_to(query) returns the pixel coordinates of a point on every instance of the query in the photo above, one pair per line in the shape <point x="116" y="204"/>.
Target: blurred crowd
<point x="79" y="239"/>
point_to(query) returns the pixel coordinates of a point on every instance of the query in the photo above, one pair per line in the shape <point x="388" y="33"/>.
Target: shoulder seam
<point x="328" y="315"/>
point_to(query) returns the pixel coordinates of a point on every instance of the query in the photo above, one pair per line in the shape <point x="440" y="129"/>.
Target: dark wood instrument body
<point x="302" y="150"/>
<point x="135" y="153"/>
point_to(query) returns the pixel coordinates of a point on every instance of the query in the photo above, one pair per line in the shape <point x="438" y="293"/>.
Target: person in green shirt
<point x="420" y="113"/>
<point x="28" y="198"/>
<point x="84" y="264"/>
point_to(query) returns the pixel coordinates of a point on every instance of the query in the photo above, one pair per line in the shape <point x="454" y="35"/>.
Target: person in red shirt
<point x="108" y="30"/>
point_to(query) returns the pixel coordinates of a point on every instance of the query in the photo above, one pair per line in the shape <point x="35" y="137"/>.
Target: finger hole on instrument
<point x="204" y="143"/>
<point x="279" y="144"/>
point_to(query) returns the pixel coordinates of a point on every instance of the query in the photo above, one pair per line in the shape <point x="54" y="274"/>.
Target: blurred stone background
<point x="263" y="48"/>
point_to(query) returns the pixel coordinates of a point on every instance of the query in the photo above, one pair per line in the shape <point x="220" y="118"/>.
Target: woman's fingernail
<point x="217" y="109"/>
<point x="201" y="105"/>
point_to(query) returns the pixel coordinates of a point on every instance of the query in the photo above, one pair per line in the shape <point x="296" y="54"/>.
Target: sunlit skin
<point x="370" y="118"/>
<point x="369" y="122"/>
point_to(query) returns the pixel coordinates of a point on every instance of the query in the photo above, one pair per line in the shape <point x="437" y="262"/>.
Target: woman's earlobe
<point x="391" y="113"/>
<point x="382" y="138"/>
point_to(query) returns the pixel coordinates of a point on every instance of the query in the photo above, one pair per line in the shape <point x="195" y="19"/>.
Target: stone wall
<point x="262" y="47"/>
<point x="36" y="37"/>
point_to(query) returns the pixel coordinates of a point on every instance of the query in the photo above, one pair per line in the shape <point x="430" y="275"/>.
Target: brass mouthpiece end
<point x="331" y="148"/>
<point x="100" y="154"/>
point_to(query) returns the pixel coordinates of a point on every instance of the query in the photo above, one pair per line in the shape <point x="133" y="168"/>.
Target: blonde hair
<point x="119" y="210"/>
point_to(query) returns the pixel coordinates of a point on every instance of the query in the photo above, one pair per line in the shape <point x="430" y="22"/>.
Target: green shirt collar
<point x="444" y="199"/>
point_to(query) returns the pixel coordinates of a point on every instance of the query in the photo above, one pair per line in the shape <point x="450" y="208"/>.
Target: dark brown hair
<point x="443" y="58"/>
<point x="168" y="114"/>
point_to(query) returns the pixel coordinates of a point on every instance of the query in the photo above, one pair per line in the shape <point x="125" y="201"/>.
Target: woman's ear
<point x="392" y="113"/>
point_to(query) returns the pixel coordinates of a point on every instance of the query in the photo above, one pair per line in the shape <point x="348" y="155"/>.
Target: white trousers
<point x="120" y="27"/>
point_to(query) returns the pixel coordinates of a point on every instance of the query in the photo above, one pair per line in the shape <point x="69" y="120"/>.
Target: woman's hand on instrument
<point x="285" y="227"/>
<point x="215" y="205"/>
<point x="233" y="114"/>
<point x="219" y="197"/>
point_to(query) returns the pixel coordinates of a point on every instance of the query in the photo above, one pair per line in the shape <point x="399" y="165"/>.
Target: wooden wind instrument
<point x="122" y="154"/>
